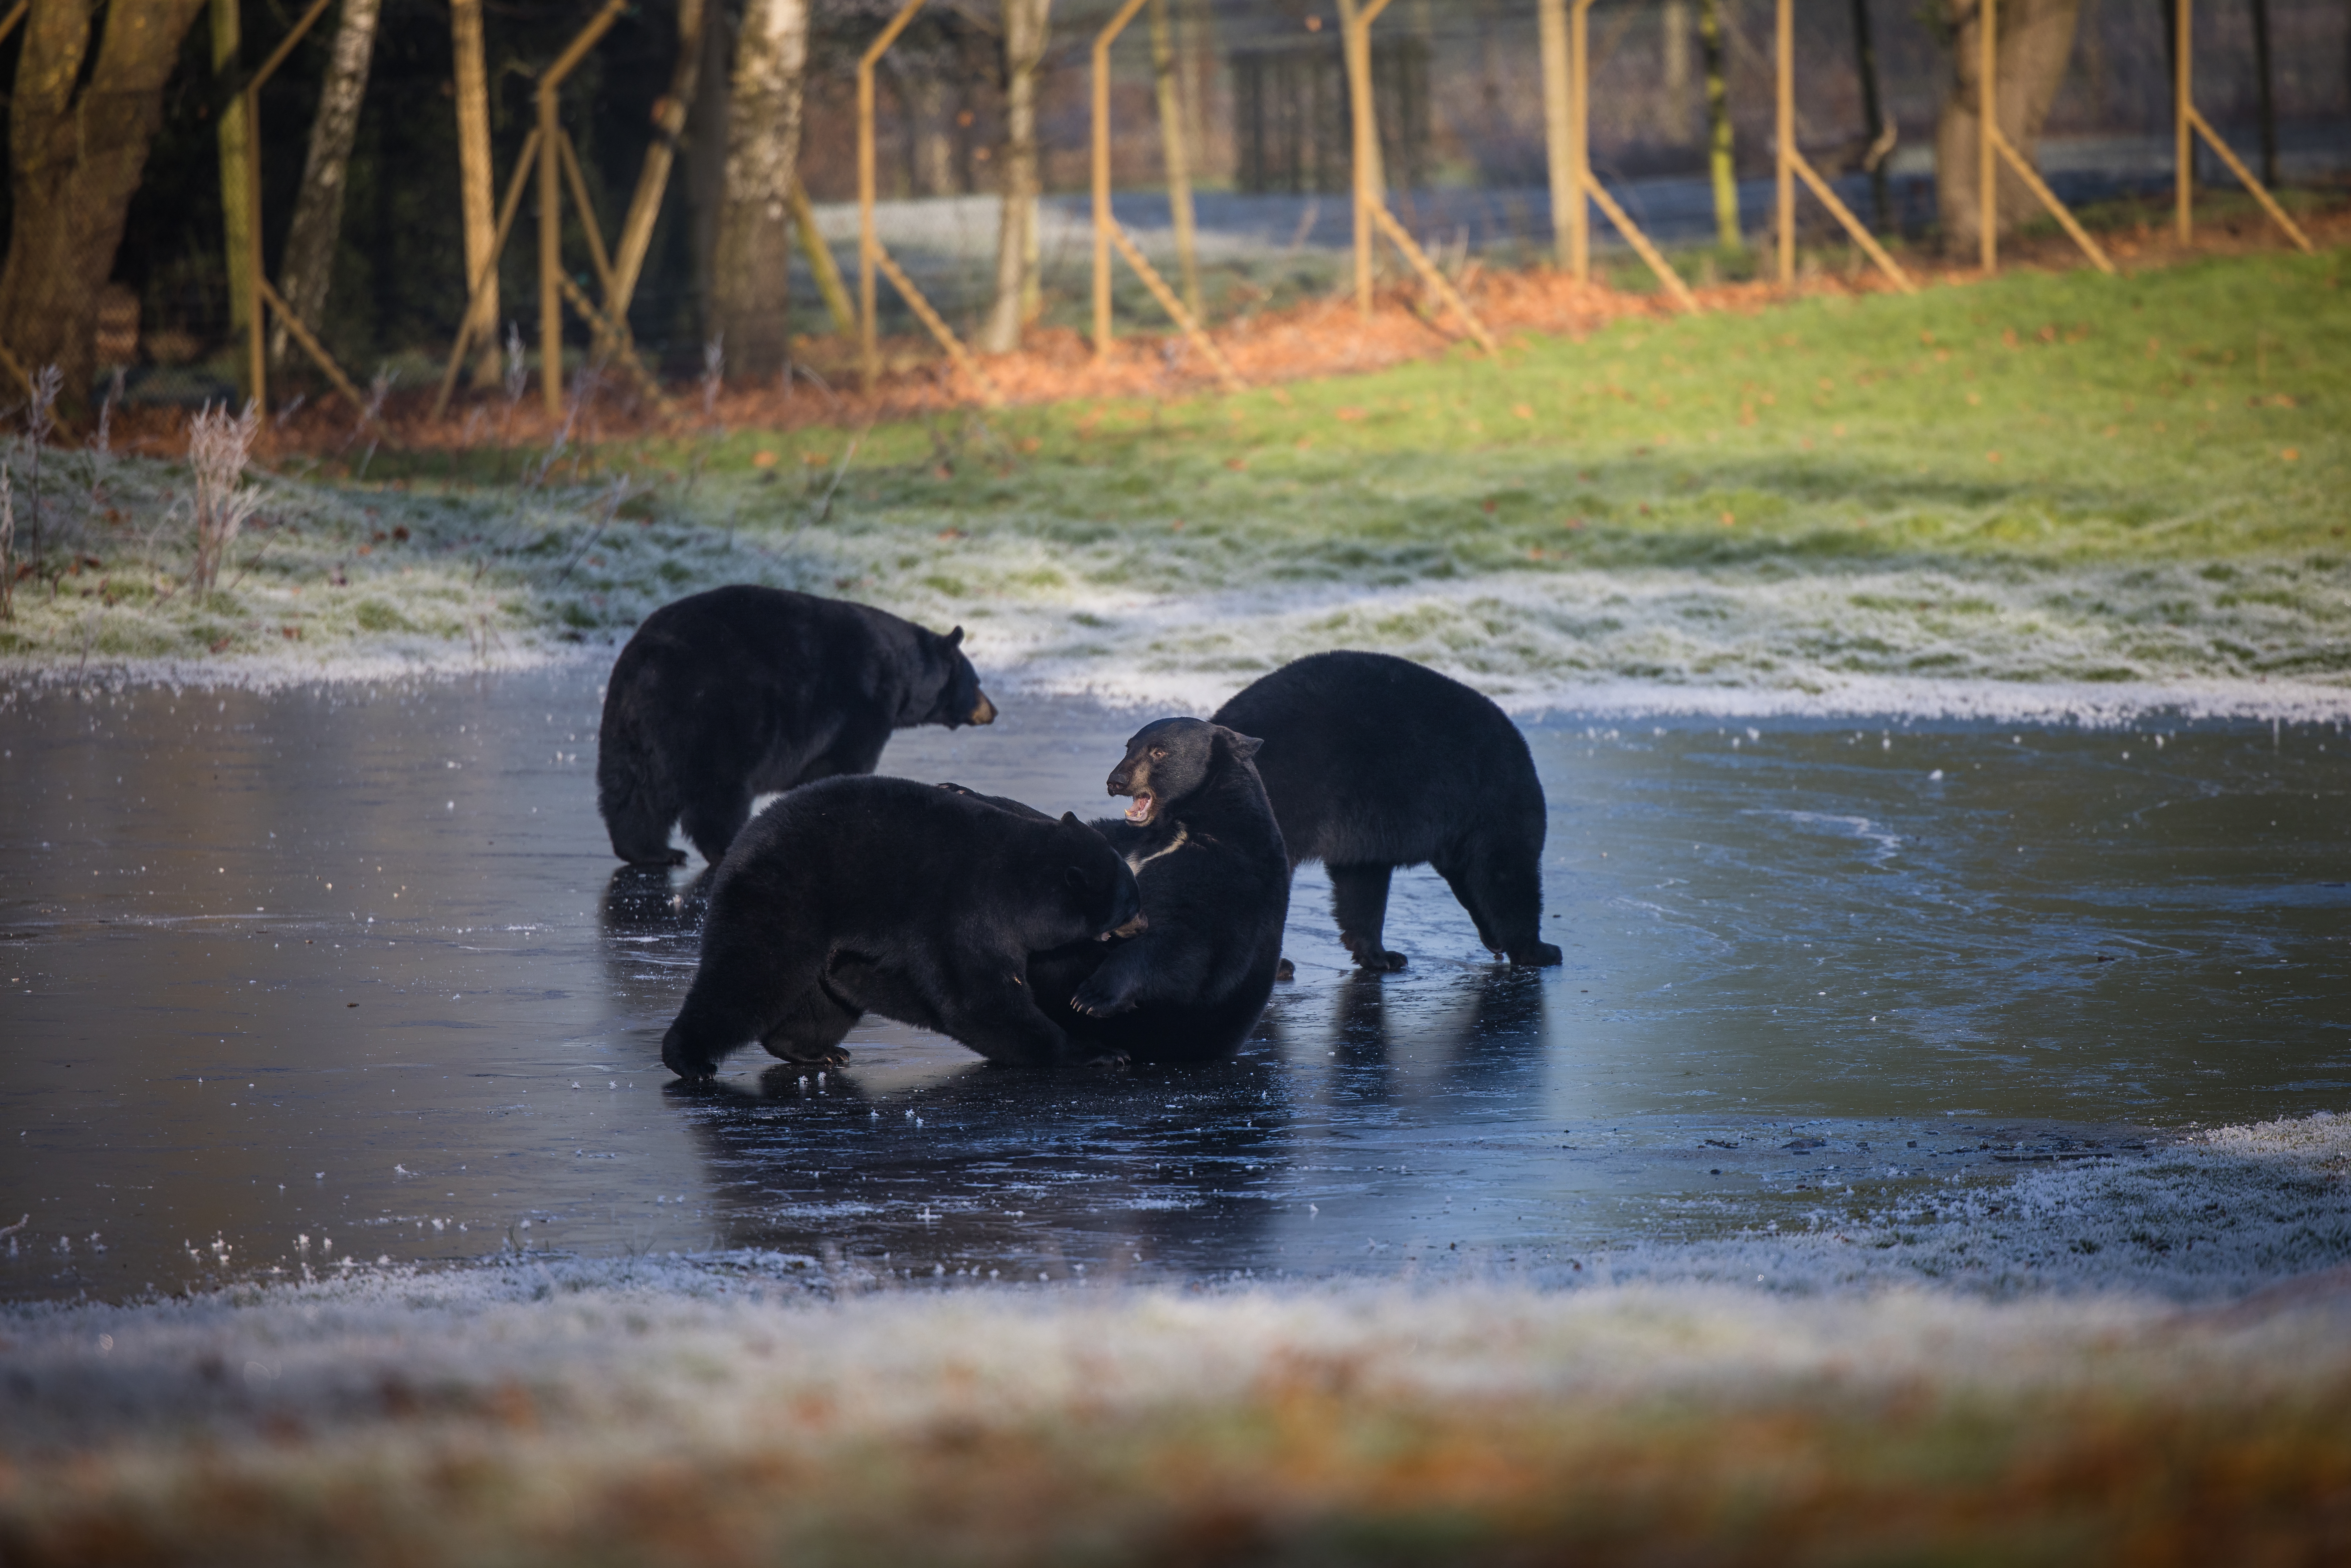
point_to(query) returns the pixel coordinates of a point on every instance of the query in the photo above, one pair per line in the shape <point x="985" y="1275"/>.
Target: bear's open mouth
<point x="1139" y="811"/>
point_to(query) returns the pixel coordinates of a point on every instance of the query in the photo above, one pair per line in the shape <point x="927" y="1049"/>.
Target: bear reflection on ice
<point x="944" y="894"/>
<point x="724" y="695"/>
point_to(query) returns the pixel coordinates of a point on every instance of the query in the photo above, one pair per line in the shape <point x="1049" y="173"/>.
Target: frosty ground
<point x="2091" y="1363"/>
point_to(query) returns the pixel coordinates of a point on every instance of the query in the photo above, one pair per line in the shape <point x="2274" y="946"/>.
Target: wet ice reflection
<point x="356" y="966"/>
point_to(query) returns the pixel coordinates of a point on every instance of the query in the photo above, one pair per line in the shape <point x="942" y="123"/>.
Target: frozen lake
<point x="347" y="972"/>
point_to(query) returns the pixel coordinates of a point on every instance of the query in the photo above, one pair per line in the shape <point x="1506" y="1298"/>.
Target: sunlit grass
<point x="2043" y="477"/>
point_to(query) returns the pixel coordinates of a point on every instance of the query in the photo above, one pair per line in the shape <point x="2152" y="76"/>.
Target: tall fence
<point x="1261" y="100"/>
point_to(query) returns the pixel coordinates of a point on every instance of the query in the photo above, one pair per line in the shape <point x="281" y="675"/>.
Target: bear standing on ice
<point x="741" y="691"/>
<point x="1372" y="762"/>
<point x="944" y="894"/>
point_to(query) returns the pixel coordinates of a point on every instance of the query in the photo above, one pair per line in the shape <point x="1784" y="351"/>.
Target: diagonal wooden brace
<point x="2031" y="178"/>
<point x="1853" y="226"/>
<point x="312" y="347"/>
<point x="1174" y="308"/>
<point x="1640" y="244"/>
<point x="625" y="351"/>
<point x="939" y="329"/>
<point x="2269" y="203"/>
<point x="1427" y="270"/>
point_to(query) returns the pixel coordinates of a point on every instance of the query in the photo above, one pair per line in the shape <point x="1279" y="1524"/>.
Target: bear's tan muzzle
<point x="984" y="713"/>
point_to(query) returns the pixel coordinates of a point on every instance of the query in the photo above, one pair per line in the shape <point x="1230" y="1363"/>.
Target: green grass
<point x="2046" y="478"/>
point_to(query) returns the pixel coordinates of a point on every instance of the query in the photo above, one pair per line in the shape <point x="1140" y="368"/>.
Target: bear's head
<point x="1170" y="758"/>
<point x="958" y="700"/>
<point x="1098" y="887"/>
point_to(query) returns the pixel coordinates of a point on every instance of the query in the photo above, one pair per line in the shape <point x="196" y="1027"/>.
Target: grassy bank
<point x="2045" y="478"/>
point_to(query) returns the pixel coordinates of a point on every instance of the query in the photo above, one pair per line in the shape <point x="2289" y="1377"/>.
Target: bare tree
<point x="78" y="132"/>
<point x="2035" y="39"/>
<point x="1025" y="24"/>
<point x="309" y="264"/>
<point x="751" y="298"/>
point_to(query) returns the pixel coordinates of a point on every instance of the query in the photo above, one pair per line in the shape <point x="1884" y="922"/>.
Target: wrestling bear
<point x="945" y="895"/>
<point x="1372" y="762"/>
<point x="1206" y="852"/>
<point x="724" y="695"/>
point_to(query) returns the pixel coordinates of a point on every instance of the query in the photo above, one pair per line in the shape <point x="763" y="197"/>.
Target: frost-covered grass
<point x="2044" y="479"/>
<point x="1957" y="502"/>
<point x="1762" y="1403"/>
<point x="344" y="578"/>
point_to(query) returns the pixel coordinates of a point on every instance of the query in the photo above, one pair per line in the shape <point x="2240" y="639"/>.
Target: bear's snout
<point x="984" y="713"/>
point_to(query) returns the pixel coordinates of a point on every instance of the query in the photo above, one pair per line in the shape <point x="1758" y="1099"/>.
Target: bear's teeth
<point x="1141" y="810"/>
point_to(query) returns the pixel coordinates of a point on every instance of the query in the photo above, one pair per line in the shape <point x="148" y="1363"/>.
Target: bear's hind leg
<point x="1359" y="897"/>
<point x="739" y="993"/>
<point x="1501" y="884"/>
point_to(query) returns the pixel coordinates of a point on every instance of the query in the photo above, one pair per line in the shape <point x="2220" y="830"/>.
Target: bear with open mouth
<point x="1207" y="856"/>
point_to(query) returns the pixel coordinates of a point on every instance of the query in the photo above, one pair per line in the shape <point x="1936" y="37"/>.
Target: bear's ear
<point x="1076" y="877"/>
<point x="954" y="639"/>
<point x="1244" y="746"/>
<point x="1069" y="820"/>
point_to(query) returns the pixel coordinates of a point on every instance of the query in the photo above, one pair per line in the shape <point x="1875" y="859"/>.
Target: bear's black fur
<point x="727" y="695"/>
<point x="1372" y="762"/>
<point x="1215" y="889"/>
<point x="947" y="895"/>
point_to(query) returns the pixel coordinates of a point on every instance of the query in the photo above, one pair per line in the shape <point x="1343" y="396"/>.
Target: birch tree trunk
<point x="309" y="266"/>
<point x="750" y="288"/>
<point x="75" y="150"/>
<point x="1016" y="235"/>
<point x="1173" y="129"/>
<point x="2035" y="39"/>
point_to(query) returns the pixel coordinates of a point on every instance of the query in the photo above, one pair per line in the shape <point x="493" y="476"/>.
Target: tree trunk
<point x="309" y="266"/>
<point x="1674" y="103"/>
<point x="2264" y="82"/>
<point x="1873" y="116"/>
<point x="705" y="164"/>
<point x="75" y="150"/>
<point x="751" y="287"/>
<point x="2036" y="36"/>
<point x="1016" y="235"/>
<point x="476" y="180"/>
<point x="1721" y="163"/>
<point x="235" y="151"/>
<point x="1176" y="155"/>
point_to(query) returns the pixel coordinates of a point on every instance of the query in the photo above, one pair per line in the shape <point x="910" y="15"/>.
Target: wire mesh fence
<point x="1259" y="98"/>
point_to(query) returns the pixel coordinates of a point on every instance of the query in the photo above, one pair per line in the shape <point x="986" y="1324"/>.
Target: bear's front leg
<point x="991" y="1008"/>
<point x="1117" y="985"/>
<point x="811" y="1031"/>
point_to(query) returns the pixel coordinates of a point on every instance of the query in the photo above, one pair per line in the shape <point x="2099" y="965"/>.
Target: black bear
<point x="1372" y="762"/>
<point x="1215" y="889"/>
<point x="724" y="695"/>
<point x="946" y="895"/>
